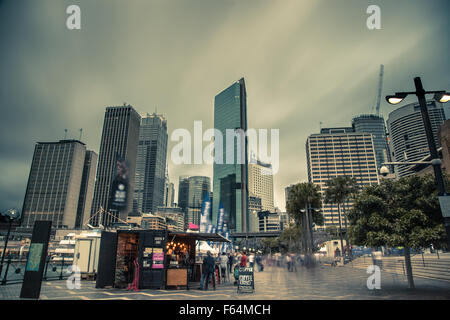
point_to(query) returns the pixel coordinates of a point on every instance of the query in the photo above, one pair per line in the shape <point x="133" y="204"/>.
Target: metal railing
<point x="14" y="270"/>
<point x="432" y="267"/>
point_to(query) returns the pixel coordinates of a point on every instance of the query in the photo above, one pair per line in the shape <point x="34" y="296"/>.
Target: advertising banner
<point x="119" y="186"/>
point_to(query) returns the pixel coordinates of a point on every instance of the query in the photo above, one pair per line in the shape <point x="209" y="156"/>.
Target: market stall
<point x="150" y="258"/>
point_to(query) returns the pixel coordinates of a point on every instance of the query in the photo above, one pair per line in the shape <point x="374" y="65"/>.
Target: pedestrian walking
<point x="243" y="259"/>
<point x="258" y="262"/>
<point x="230" y="262"/>
<point x="293" y="263"/>
<point x="251" y="260"/>
<point x="288" y="262"/>
<point x="210" y="267"/>
<point x="223" y="261"/>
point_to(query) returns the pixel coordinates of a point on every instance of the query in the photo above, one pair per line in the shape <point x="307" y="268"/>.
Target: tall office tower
<point x="260" y="183"/>
<point x="375" y="125"/>
<point x="340" y="152"/>
<point x="230" y="184"/>
<point x="408" y="141"/>
<point x="169" y="192"/>
<point x="254" y="208"/>
<point x="151" y="164"/>
<point x="118" y="146"/>
<point x="183" y="191"/>
<point x="87" y="189"/>
<point x="191" y="192"/>
<point x="287" y="190"/>
<point x="54" y="184"/>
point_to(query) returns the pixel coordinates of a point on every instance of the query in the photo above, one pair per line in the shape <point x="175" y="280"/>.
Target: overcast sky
<point x="304" y="62"/>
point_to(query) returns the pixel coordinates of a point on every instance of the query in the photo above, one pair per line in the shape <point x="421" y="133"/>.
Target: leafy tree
<point x="303" y="197"/>
<point x="270" y="244"/>
<point x="404" y="212"/>
<point x="290" y="237"/>
<point x="339" y="190"/>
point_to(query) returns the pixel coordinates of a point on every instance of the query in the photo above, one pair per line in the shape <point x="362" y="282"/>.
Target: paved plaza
<point x="336" y="283"/>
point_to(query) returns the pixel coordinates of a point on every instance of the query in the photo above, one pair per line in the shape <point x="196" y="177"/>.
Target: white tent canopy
<point x="204" y="247"/>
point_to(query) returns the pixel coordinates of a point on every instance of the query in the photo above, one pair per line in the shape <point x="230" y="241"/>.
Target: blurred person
<point x="243" y="259"/>
<point x="251" y="260"/>
<point x="223" y="261"/>
<point x="210" y="267"/>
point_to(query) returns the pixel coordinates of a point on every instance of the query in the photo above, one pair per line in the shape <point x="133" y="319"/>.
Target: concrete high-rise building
<point x="340" y="152"/>
<point x="260" y="183"/>
<point x="169" y="194"/>
<point x="269" y="221"/>
<point x="375" y="125"/>
<point x="230" y="182"/>
<point x="408" y="141"/>
<point x="87" y="189"/>
<point x="191" y="192"/>
<point x="119" y="142"/>
<point x="55" y="182"/>
<point x="151" y="164"/>
<point x="254" y="208"/>
<point x="174" y="217"/>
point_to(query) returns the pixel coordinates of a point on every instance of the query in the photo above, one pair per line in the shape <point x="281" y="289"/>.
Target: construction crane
<point x="380" y="86"/>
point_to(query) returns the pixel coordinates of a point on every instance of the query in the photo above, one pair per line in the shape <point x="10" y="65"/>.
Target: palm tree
<point x="339" y="190"/>
<point x="303" y="197"/>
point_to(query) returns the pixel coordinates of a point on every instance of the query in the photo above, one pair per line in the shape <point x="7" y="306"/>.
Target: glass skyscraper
<point x="230" y="181"/>
<point x="151" y="164"/>
<point x="191" y="192"/>
<point x="375" y="125"/>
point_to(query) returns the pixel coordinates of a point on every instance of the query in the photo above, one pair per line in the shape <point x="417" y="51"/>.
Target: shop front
<point x="150" y="259"/>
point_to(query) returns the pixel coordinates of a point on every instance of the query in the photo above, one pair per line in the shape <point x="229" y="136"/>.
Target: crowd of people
<point x="228" y="264"/>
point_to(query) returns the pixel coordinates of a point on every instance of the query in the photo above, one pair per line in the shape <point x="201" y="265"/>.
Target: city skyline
<point x="287" y="69"/>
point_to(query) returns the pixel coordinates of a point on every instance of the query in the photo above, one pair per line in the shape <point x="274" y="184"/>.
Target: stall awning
<point x="214" y="237"/>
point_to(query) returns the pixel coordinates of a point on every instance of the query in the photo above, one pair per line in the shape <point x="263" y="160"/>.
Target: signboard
<point x="34" y="257"/>
<point x="444" y="201"/>
<point x="32" y="279"/>
<point x="246" y="280"/>
<point x="158" y="258"/>
<point x="119" y="186"/>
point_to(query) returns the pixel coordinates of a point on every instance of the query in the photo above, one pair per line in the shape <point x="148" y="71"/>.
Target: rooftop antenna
<point x="81" y="133"/>
<point x="380" y="86"/>
<point x="320" y="123"/>
<point x="65" y="134"/>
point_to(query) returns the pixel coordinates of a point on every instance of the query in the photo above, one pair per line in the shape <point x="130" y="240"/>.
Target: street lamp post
<point x="441" y="96"/>
<point x="11" y="215"/>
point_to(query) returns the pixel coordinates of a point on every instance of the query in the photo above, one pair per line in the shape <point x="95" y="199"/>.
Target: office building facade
<point x="151" y="164"/>
<point x="87" y="189"/>
<point x="408" y="141"/>
<point x="119" y="142"/>
<point x="375" y="125"/>
<point x="260" y="183"/>
<point x="191" y="192"/>
<point x="55" y="182"/>
<point x="230" y="182"/>
<point x="340" y="152"/>
<point x="254" y="208"/>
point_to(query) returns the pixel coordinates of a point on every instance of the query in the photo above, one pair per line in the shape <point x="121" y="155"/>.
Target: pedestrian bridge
<point x="269" y="234"/>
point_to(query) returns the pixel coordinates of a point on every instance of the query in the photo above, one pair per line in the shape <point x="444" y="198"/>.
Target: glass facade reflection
<point x="230" y="185"/>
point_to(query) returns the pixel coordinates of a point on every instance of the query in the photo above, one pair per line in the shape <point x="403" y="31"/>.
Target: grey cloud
<point x="303" y="61"/>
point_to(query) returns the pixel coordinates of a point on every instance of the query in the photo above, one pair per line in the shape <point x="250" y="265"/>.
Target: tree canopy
<point x="302" y="195"/>
<point x="404" y="212"/>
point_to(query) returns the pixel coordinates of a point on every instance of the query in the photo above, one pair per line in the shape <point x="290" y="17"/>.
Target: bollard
<point x="62" y="267"/>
